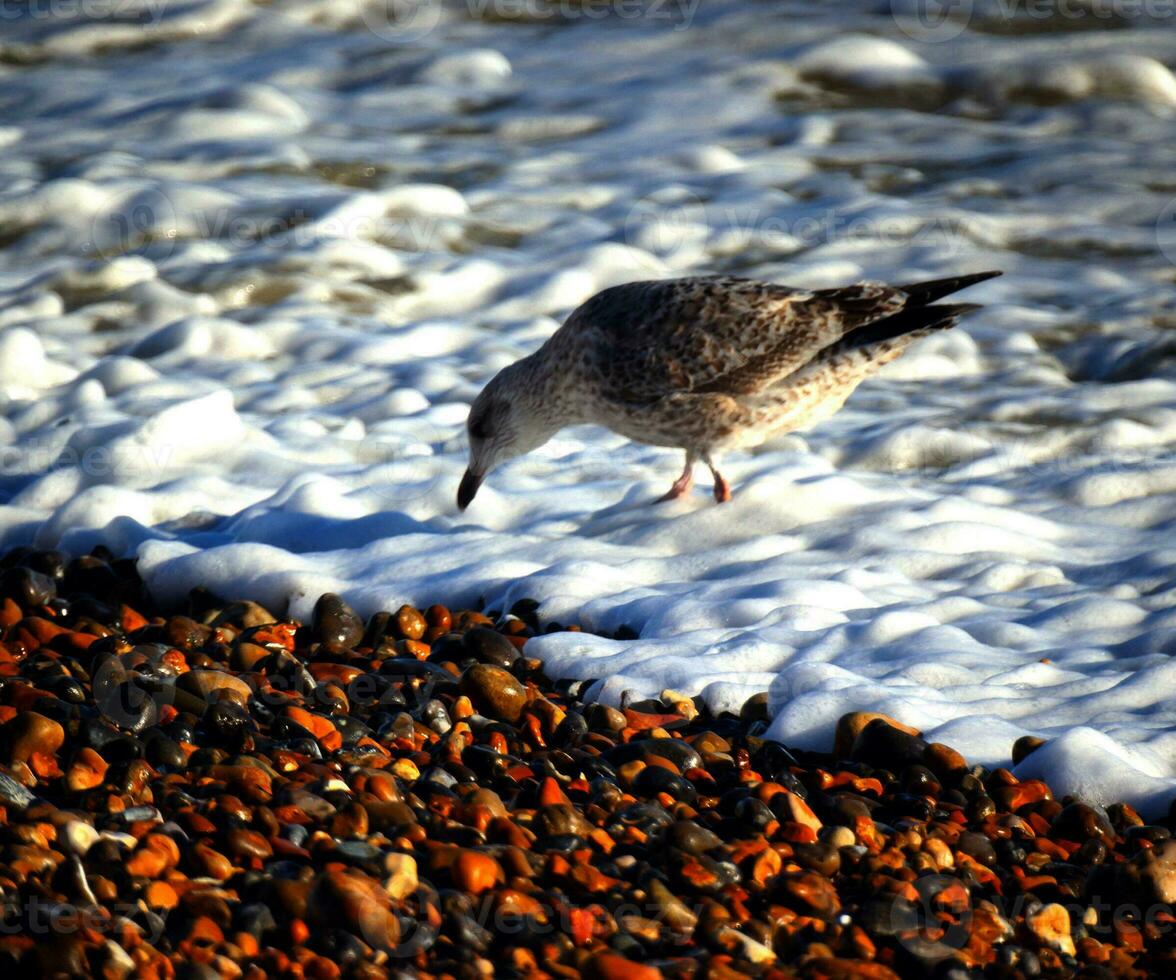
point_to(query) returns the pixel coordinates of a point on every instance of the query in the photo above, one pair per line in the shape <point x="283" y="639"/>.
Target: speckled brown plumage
<point x="705" y="364"/>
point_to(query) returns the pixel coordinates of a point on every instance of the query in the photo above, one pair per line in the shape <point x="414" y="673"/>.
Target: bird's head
<point x="511" y="416"/>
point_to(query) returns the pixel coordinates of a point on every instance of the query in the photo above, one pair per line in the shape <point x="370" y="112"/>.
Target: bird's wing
<point x="648" y="340"/>
<point x="878" y="321"/>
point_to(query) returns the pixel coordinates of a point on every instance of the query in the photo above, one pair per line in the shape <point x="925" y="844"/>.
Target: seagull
<point x="705" y="364"/>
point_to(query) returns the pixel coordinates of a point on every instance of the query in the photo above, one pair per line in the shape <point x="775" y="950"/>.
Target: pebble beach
<point x="215" y="793"/>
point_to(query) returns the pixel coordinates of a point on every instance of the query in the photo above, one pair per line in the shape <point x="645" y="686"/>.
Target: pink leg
<point x="681" y="485"/>
<point x="722" y="487"/>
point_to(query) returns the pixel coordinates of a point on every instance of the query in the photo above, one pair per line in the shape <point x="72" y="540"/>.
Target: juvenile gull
<point x="705" y="364"/>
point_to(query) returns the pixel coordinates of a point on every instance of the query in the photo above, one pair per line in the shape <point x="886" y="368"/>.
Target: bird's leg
<point x="722" y="487"/>
<point x="681" y="485"/>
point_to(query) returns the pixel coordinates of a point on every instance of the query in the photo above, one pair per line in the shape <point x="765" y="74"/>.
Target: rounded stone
<point x="79" y="837"/>
<point x="495" y="692"/>
<point x="688" y="836"/>
<point x="1149" y="877"/>
<point x="850" y="726"/>
<point x="680" y="753"/>
<point x="1024" y="746"/>
<point x="87" y="771"/>
<point x="1080" y="822"/>
<point x="410" y="624"/>
<point x="885" y="746"/>
<point x="756" y="708"/>
<point x="488" y="647"/>
<point x="335" y="622"/>
<point x="354" y="901"/>
<point x="209" y="684"/>
<point x="402" y="878"/>
<point x="27" y="587"/>
<point x="31" y="732"/>
<point x="475" y="872"/>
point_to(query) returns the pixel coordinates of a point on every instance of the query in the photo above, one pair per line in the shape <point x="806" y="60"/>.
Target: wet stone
<point x="977" y="846"/>
<point x="209" y="685"/>
<point x="756" y="708"/>
<point x="335" y="622"/>
<point x="851" y="725"/>
<point x="883" y="746"/>
<point x="654" y="779"/>
<point x="604" y="718"/>
<point x="31" y="732"/>
<point x="494" y="692"/>
<point x="688" y="836"/>
<point x="410" y="623"/>
<point x="1025" y="746"/>
<point x="489" y="647"/>
<point x="1080" y="822"/>
<point x="27" y="587"/>
<point x="1149" y="877"/>
<point x="823" y="858"/>
<point x="680" y="753"/>
<point x="561" y="819"/>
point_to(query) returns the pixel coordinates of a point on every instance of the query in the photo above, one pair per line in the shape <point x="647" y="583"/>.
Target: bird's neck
<point x="546" y="377"/>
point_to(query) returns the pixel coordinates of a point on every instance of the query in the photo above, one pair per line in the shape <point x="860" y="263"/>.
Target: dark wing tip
<point x="910" y="319"/>
<point x="956" y="309"/>
<point x="922" y="293"/>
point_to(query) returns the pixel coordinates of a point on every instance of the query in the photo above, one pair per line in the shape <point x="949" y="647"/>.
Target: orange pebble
<point x="88" y="770"/>
<point x="131" y="620"/>
<point x="299" y="932"/>
<point x="10" y="613"/>
<point x="156" y="854"/>
<point x="247" y="943"/>
<point x="161" y="895"/>
<point x="475" y="872"/>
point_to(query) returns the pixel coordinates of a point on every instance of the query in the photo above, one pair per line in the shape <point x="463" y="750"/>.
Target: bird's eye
<point x="486" y="421"/>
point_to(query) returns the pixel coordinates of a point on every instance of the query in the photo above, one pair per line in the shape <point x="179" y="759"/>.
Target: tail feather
<point x="908" y="320"/>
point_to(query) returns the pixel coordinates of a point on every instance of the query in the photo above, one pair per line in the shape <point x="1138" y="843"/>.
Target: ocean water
<point x="257" y="260"/>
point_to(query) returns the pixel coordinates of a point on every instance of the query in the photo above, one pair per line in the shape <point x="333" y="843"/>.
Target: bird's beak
<point x="469" y="487"/>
